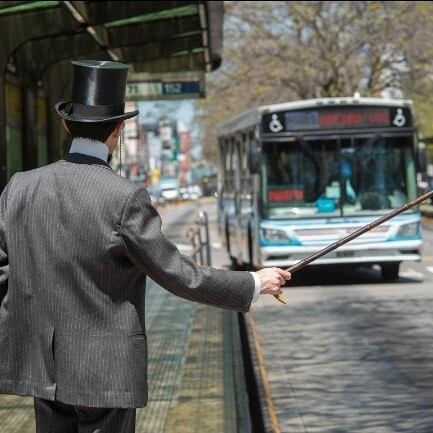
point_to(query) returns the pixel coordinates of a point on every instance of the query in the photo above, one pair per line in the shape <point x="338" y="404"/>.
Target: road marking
<point x="430" y="269"/>
<point x="275" y="425"/>
<point x="217" y="245"/>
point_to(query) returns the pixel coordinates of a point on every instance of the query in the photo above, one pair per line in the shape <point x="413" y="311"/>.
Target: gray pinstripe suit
<point x="76" y="244"/>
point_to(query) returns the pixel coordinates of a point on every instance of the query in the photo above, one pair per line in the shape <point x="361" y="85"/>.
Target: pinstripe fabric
<point x="56" y="417"/>
<point x="76" y="244"/>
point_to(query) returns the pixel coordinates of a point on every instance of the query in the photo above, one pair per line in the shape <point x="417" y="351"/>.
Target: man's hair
<point x="94" y="131"/>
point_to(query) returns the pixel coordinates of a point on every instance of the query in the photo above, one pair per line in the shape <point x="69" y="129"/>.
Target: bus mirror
<point x="421" y="157"/>
<point x="254" y="158"/>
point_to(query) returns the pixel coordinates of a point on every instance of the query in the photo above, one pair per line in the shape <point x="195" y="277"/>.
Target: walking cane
<point x="304" y="262"/>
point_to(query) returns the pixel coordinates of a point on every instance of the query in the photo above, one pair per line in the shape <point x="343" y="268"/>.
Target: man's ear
<point x="65" y="126"/>
<point x="120" y="126"/>
<point x="117" y="130"/>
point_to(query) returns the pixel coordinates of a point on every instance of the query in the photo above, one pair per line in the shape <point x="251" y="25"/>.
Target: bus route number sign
<point x="337" y="118"/>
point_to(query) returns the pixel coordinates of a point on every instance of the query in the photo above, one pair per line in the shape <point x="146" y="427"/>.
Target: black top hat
<point x="98" y="93"/>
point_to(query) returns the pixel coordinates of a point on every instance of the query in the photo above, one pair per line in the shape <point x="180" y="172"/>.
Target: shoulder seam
<point x="130" y="195"/>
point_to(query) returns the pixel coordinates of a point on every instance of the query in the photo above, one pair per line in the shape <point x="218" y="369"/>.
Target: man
<point x="76" y="244"/>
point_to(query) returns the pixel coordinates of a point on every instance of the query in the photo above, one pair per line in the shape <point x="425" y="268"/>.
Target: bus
<point x="297" y="176"/>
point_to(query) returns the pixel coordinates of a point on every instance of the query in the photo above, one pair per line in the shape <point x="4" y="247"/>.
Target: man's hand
<point x="271" y="280"/>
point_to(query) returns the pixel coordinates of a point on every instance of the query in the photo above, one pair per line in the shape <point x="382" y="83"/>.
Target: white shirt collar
<point x="87" y="146"/>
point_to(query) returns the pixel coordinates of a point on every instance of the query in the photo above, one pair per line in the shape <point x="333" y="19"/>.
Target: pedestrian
<point x="76" y="244"/>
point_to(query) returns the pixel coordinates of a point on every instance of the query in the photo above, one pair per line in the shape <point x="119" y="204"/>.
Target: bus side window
<point x="227" y="170"/>
<point x="243" y="165"/>
<point x="223" y="168"/>
<point x="231" y="167"/>
<point x="249" y="177"/>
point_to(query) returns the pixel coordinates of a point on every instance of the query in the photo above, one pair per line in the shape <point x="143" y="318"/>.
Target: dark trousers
<point x="56" y="417"/>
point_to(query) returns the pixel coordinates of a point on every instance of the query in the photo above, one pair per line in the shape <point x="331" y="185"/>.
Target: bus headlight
<point x="408" y="230"/>
<point x="273" y="235"/>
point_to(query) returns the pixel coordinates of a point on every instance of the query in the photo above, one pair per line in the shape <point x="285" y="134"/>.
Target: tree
<point x="284" y="50"/>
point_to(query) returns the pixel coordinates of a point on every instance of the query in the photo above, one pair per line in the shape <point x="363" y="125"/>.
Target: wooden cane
<point x="304" y="262"/>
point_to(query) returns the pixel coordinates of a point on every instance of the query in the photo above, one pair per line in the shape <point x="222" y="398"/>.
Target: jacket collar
<point x="87" y="151"/>
<point x="79" y="158"/>
<point x="87" y="146"/>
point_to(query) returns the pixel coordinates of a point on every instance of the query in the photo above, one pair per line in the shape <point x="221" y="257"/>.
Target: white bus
<point x="297" y="176"/>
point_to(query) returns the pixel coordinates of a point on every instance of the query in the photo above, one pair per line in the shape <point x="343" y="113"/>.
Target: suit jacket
<point x="76" y="244"/>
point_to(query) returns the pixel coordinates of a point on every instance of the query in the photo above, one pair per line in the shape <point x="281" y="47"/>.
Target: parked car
<point x="168" y="189"/>
<point x="194" y="192"/>
<point x="169" y="194"/>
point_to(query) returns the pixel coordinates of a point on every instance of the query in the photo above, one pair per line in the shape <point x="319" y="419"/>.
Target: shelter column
<point x="57" y="84"/>
<point x="3" y="136"/>
<point x="30" y="133"/>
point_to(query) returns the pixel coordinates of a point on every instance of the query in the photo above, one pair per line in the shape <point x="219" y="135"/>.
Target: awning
<point x="153" y="36"/>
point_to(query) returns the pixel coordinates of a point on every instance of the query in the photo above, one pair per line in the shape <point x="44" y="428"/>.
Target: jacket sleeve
<point x="151" y="252"/>
<point x="4" y="261"/>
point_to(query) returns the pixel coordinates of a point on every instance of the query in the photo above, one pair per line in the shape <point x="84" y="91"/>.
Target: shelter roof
<point x="152" y="36"/>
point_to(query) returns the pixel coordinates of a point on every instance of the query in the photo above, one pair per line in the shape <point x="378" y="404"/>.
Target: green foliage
<point x="277" y="51"/>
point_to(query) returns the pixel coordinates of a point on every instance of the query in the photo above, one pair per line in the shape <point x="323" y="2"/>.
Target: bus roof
<point x="252" y="117"/>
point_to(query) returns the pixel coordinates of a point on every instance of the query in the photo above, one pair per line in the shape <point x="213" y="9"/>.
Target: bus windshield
<point x="337" y="177"/>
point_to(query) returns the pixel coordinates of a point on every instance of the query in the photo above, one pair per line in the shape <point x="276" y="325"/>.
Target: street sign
<point x="148" y="87"/>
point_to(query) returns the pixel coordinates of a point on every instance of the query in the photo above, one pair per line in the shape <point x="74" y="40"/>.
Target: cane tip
<point x="279" y="298"/>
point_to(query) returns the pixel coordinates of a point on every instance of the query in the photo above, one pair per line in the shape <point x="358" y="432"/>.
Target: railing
<point x="198" y="235"/>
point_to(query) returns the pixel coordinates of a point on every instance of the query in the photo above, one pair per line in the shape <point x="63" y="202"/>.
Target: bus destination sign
<point x="337" y="118"/>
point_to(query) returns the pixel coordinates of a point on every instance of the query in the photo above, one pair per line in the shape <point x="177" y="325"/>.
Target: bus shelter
<point x="39" y="38"/>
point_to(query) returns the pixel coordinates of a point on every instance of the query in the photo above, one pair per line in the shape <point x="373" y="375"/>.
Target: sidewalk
<point x="191" y="385"/>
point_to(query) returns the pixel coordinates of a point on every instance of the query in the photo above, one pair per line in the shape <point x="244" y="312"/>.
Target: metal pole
<point x="200" y="240"/>
<point x="207" y="242"/>
<point x="194" y="247"/>
<point x="3" y="126"/>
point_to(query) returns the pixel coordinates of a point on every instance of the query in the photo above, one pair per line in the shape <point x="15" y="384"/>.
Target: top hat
<point x="98" y="93"/>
